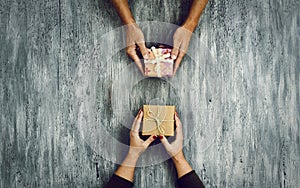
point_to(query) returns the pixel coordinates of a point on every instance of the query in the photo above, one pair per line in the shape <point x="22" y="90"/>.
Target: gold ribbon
<point x="158" y="122"/>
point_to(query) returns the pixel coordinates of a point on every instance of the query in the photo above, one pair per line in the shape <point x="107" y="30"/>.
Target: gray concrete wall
<point x="56" y="88"/>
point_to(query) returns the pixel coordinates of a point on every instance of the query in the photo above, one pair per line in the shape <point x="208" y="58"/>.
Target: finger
<point x="175" y="50"/>
<point x="165" y="142"/>
<point x="136" y="123"/>
<point x="132" y="54"/>
<point x="138" y="114"/>
<point x="177" y="120"/>
<point x="143" y="49"/>
<point x="178" y="61"/>
<point x="150" y="140"/>
<point x="178" y="126"/>
<point x="179" y="134"/>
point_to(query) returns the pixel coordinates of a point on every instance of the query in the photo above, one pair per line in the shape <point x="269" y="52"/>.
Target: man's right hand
<point x="135" y="41"/>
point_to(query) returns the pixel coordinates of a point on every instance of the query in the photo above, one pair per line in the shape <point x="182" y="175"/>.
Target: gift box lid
<point x="158" y="120"/>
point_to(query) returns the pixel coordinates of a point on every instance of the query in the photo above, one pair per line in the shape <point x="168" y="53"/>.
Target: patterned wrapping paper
<point x="158" y="120"/>
<point x="159" y="63"/>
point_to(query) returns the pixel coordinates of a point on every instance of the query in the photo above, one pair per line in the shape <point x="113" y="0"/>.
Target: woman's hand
<point x="135" y="41"/>
<point x="137" y="145"/>
<point x="175" y="148"/>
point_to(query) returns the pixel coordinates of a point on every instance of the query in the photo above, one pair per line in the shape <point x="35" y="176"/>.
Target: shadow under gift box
<point x="158" y="120"/>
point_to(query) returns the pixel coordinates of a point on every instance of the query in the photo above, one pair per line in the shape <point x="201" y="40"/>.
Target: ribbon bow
<point x="160" y="56"/>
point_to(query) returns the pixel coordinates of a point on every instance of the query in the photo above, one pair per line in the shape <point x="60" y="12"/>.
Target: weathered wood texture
<point x="55" y="88"/>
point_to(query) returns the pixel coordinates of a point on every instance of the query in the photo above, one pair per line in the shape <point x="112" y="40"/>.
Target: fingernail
<point x="154" y="137"/>
<point x="161" y="137"/>
<point x="140" y="111"/>
<point x="173" y="56"/>
<point x="176" y="114"/>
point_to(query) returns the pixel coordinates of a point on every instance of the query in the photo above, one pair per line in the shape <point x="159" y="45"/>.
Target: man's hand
<point x="134" y="35"/>
<point x="135" y="41"/>
<point x="183" y="34"/>
<point x="181" y="40"/>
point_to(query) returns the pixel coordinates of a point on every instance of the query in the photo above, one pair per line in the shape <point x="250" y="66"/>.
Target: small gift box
<point x="158" y="120"/>
<point x="160" y="63"/>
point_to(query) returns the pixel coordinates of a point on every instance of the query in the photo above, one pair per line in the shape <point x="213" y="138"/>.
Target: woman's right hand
<point x="174" y="149"/>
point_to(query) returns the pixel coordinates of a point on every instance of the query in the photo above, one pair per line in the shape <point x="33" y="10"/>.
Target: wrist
<point x="130" y="159"/>
<point x="127" y="21"/>
<point x="130" y="27"/>
<point x="190" y="25"/>
<point x="178" y="158"/>
<point x="181" y="165"/>
<point x="133" y="155"/>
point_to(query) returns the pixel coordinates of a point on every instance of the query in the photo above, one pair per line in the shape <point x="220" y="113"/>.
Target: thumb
<point x="177" y="62"/>
<point x="165" y="142"/>
<point x="175" y="50"/>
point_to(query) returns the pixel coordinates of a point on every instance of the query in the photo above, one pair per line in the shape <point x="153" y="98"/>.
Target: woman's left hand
<point x="137" y="145"/>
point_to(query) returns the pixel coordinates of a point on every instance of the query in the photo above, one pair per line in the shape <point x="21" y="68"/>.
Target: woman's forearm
<point x="126" y="169"/>
<point x="123" y="10"/>
<point x="181" y="165"/>
<point x="194" y="15"/>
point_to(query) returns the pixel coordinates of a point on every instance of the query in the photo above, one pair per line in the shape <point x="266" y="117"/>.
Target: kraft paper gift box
<point x="158" y="120"/>
<point x="160" y="63"/>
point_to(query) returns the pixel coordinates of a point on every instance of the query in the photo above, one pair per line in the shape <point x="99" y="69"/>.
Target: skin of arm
<point x="174" y="149"/>
<point x="126" y="170"/>
<point x="123" y="10"/>
<point x="181" y="165"/>
<point x="183" y="34"/>
<point x="181" y="39"/>
<point x="194" y="15"/>
<point x="137" y="147"/>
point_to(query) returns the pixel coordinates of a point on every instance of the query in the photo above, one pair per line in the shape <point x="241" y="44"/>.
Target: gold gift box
<point x="158" y="120"/>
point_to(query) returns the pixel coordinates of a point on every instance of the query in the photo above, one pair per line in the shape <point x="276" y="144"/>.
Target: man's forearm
<point x="123" y="10"/>
<point x="194" y="15"/>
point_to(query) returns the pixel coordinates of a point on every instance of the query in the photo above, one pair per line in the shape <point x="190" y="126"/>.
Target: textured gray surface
<point x="54" y="87"/>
